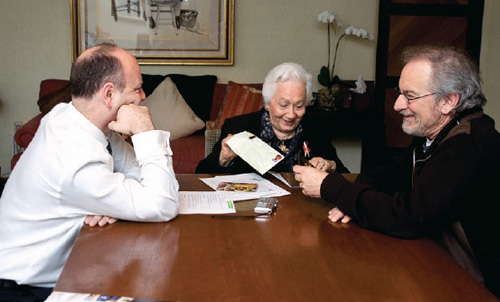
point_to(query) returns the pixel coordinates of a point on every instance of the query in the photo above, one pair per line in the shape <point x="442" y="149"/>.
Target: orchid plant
<point x="326" y="75"/>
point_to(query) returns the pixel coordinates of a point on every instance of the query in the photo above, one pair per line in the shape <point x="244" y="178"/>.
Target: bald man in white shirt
<point x="78" y="169"/>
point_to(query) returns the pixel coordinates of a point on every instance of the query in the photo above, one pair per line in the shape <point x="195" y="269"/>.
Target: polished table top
<point x="297" y="255"/>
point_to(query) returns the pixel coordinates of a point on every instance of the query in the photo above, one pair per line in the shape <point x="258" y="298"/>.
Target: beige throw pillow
<point x="170" y="112"/>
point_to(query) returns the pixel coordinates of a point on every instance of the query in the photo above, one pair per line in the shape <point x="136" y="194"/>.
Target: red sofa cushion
<point x="26" y="132"/>
<point x="220" y="94"/>
<point x="188" y="151"/>
<point x="239" y="99"/>
<point x="47" y="102"/>
<point x="51" y="85"/>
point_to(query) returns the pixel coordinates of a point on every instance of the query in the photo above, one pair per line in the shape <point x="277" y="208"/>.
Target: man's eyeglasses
<point x="411" y="99"/>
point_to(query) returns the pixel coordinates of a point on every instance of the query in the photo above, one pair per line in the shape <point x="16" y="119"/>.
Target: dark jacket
<point x="452" y="186"/>
<point x="251" y="122"/>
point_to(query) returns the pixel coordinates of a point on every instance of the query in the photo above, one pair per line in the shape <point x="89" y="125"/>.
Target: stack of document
<point x="265" y="188"/>
<point x="227" y="189"/>
<point x="57" y="296"/>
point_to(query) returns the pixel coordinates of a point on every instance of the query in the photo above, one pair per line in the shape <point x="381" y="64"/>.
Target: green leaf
<point x="324" y="76"/>
<point x="335" y="80"/>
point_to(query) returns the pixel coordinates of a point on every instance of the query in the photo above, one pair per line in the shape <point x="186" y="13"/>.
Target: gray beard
<point x="413" y="131"/>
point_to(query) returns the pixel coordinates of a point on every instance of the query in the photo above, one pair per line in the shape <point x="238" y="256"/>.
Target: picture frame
<point x="157" y="32"/>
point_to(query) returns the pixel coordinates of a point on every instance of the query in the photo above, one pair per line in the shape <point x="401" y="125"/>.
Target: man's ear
<point x="107" y="91"/>
<point x="450" y="102"/>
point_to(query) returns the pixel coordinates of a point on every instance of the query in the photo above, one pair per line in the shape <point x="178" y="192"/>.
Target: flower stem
<point x="335" y="56"/>
<point x="329" y="47"/>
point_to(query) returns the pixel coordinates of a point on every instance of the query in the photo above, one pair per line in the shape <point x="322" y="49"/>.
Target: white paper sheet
<point x="283" y="180"/>
<point x="265" y="187"/>
<point x="57" y="296"/>
<point x="198" y="202"/>
<point x="254" y="151"/>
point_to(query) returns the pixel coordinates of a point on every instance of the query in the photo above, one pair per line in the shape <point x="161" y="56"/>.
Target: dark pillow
<point x="197" y="91"/>
<point x="150" y="82"/>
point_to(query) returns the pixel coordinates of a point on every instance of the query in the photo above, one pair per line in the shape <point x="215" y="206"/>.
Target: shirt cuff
<point x="151" y="143"/>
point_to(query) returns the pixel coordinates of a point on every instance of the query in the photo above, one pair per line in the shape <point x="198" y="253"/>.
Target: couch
<point x="226" y="100"/>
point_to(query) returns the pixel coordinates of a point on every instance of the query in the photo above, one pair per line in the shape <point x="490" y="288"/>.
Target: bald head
<point x="103" y="79"/>
<point x="96" y="66"/>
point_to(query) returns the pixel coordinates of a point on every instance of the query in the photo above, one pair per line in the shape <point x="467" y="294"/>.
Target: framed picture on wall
<point x="175" y="32"/>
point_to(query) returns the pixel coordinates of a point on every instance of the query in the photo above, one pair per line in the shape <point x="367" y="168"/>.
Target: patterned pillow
<point x="211" y="137"/>
<point x="239" y="99"/>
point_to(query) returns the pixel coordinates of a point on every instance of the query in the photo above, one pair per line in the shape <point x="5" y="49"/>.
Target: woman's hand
<point x="323" y="164"/>
<point x="226" y="153"/>
<point x="335" y="215"/>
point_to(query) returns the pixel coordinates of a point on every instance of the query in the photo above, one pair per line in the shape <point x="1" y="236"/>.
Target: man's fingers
<point x="104" y="220"/>
<point x="346" y="219"/>
<point x="111" y="125"/>
<point x="336" y="215"/>
<point x="109" y="220"/>
<point x="93" y="220"/>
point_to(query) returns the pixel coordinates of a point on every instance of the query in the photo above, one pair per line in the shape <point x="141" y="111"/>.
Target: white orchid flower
<point x="349" y="30"/>
<point x="324" y="17"/>
<point x="361" y="33"/>
<point x="358" y="32"/>
<point x="327" y="17"/>
<point x="327" y="75"/>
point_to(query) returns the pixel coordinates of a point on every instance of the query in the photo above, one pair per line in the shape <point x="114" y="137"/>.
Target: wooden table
<point x="297" y="255"/>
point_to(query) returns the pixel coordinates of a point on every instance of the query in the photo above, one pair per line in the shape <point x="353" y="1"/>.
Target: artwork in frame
<point x="156" y="32"/>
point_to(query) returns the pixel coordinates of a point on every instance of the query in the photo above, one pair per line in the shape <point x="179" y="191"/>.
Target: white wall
<point x="35" y="39"/>
<point x="36" y="44"/>
<point x="490" y="59"/>
<point x="271" y="32"/>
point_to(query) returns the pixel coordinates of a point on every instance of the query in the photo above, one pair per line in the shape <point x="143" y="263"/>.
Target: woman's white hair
<point x="283" y="73"/>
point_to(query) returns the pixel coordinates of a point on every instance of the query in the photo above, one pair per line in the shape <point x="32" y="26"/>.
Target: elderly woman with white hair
<point x="283" y="124"/>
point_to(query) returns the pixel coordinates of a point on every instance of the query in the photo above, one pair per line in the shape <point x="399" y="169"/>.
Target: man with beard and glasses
<point x="444" y="185"/>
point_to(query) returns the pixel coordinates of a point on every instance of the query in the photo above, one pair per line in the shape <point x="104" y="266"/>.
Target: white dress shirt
<point x="67" y="173"/>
